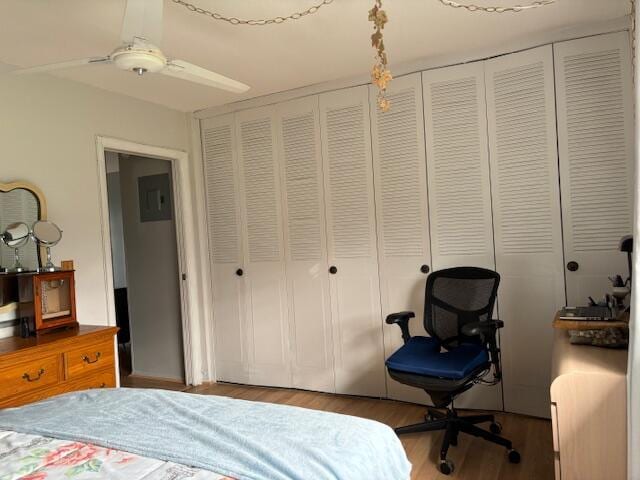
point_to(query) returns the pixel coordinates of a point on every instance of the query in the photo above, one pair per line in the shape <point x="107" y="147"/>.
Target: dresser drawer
<point x="102" y="379"/>
<point x="87" y="359"/>
<point x="29" y="375"/>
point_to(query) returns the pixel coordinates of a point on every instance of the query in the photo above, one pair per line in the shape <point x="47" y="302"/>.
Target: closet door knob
<point x="239" y="272"/>
<point x="333" y="269"/>
<point x="424" y="269"/>
<point x="572" y="266"/>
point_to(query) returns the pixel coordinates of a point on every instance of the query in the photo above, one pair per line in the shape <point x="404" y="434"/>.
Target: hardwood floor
<point x="130" y="380"/>
<point x="474" y="459"/>
<point x="135" y="381"/>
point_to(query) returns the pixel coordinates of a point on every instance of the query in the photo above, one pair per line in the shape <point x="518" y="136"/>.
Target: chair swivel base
<point x="453" y="425"/>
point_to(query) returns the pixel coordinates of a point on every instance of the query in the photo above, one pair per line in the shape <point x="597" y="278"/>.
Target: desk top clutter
<point x="611" y="334"/>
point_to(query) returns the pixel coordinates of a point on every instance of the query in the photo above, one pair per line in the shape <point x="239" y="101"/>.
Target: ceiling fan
<point x="141" y="34"/>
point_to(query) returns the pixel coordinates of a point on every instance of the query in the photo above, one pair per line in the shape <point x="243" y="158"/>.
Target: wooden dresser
<point x="588" y="411"/>
<point x="38" y="367"/>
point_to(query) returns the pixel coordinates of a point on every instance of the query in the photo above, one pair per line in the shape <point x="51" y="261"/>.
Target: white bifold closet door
<point x="309" y="303"/>
<point x="225" y="246"/>
<point x="402" y="214"/>
<point x="595" y="138"/>
<point x="526" y="205"/>
<point x="351" y="242"/>
<point x="459" y="184"/>
<point x="267" y="339"/>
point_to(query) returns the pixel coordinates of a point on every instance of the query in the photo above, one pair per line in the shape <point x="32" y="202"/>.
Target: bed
<point x="137" y="434"/>
<point x="34" y="457"/>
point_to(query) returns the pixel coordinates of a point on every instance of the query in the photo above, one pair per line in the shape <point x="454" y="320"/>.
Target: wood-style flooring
<point x="474" y="458"/>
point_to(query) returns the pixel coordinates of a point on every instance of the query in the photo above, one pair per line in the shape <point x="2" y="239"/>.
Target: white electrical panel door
<point x="309" y="303"/>
<point x="225" y="247"/>
<point x="400" y="180"/>
<point x="351" y="242"/>
<point x="264" y="272"/>
<point x="595" y="136"/>
<point x="526" y="205"/>
<point x="459" y="183"/>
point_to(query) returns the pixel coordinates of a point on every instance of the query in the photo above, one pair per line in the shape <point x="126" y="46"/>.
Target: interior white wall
<point x="48" y="129"/>
<point x="633" y="371"/>
<point x="152" y="278"/>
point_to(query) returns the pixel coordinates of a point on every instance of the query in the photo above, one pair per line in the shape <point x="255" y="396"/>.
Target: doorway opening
<point x="147" y="297"/>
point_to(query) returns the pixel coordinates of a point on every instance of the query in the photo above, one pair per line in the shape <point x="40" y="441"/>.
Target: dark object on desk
<point x="605" y="337"/>
<point x="25" y="328"/>
<point x="592" y="313"/>
<point x="626" y="245"/>
<point x="457" y="314"/>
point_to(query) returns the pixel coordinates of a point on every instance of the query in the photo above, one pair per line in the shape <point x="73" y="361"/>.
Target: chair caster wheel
<point x="514" y="456"/>
<point x="446" y="467"/>
<point x="495" y="428"/>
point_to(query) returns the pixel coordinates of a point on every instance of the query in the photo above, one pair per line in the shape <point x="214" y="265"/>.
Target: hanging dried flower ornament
<point x="380" y="74"/>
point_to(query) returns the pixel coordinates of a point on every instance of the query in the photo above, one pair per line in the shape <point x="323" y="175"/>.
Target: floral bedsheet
<point x="32" y="457"/>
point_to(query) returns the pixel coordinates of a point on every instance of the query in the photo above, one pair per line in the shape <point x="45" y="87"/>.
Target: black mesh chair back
<point x="455" y="297"/>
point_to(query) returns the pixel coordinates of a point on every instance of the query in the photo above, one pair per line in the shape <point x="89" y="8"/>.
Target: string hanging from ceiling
<point x="496" y="9"/>
<point x="380" y="74"/>
<point x="253" y="22"/>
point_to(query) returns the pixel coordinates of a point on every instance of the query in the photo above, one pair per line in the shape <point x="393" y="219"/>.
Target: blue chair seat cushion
<point x="423" y="356"/>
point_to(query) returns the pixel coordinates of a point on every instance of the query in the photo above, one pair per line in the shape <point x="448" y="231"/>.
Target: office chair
<point x="460" y="351"/>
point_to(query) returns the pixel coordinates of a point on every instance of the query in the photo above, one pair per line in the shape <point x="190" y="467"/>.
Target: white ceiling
<point x="332" y="44"/>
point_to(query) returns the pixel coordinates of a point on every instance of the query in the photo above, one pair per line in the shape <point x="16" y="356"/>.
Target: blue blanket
<point x="241" y="439"/>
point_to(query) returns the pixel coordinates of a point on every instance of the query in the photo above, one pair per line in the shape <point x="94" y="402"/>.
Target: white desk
<point x="588" y="411"/>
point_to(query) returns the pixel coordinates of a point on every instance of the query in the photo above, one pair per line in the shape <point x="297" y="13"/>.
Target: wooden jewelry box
<point x="46" y="301"/>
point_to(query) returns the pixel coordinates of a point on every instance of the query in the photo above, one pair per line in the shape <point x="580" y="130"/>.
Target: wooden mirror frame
<point x="42" y="206"/>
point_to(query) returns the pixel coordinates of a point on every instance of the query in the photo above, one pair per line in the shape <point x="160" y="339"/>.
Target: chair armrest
<point x="487" y="332"/>
<point x="475" y="329"/>
<point x="399" y="317"/>
<point x="402" y="320"/>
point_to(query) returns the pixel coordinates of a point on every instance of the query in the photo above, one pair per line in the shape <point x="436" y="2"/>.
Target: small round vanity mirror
<point x="47" y="234"/>
<point x="16" y="236"/>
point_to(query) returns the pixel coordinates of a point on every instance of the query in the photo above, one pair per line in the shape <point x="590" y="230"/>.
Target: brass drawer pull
<point x="28" y="378"/>
<point x="86" y="359"/>
<point x="102" y="385"/>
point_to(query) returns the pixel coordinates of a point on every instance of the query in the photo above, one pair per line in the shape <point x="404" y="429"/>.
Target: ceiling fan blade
<point x="193" y="73"/>
<point x="143" y="19"/>
<point x="62" y="65"/>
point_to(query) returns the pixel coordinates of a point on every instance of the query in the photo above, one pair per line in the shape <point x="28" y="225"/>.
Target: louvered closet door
<point x="351" y="242"/>
<point x="526" y="205"/>
<point x="308" y="297"/>
<point x="402" y="215"/>
<point x="225" y="247"/>
<point x="264" y="273"/>
<point x="458" y="167"/>
<point x="595" y="136"/>
<point x="459" y="184"/>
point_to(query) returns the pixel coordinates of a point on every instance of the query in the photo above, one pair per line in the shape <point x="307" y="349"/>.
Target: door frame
<point x="186" y="240"/>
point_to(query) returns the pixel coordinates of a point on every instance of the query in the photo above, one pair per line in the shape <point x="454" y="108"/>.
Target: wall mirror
<point x="20" y="202"/>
